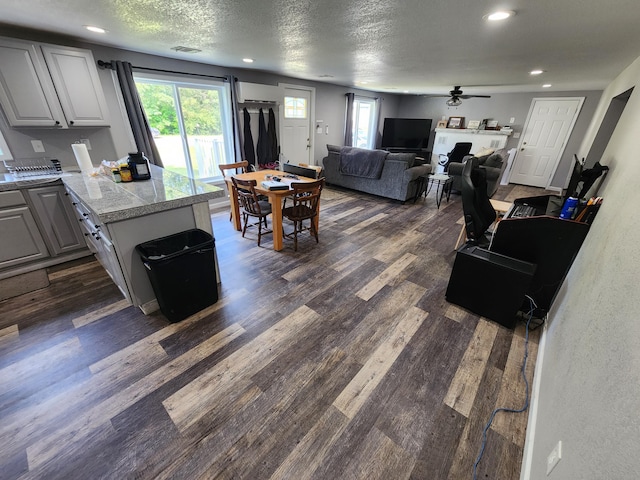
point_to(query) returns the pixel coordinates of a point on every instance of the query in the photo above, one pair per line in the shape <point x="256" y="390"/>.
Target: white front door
<point x="295" y="126"/>
<point x="545" y="135"/>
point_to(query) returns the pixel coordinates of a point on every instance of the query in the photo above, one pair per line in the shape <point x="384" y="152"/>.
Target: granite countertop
<point x="113" y="202"/>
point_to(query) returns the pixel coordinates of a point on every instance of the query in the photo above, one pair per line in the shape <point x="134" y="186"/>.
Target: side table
<point x="442" y="182"/>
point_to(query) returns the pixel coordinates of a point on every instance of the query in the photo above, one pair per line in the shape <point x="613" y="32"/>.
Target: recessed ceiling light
<point x="247" y="60"/>
<point x="405" y="91"/>
<point x="93" y="29"/>
<point x="500" y="15"/>
<point x="536" y="72"/>
<point x="546" y="85"/>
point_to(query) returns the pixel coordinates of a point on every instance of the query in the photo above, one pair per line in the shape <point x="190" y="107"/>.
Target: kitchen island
<point x="115" y="217"/>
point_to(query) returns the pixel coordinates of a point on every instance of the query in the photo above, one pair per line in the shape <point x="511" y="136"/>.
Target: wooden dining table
<point x="275" y="197"/>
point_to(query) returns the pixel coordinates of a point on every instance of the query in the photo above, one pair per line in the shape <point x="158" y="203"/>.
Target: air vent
<point x="185" y="49"/>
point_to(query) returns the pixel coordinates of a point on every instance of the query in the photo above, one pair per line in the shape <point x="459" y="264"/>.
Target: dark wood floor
<point x="340" y="361"/>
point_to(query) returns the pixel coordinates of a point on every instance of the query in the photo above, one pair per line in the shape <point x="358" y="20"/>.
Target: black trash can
<point x="182" y="271"/>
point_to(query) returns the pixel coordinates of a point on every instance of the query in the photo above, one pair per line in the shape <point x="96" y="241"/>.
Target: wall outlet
<point x="554" y="457"/>
<point x="516" y="134"/>
<point x="37" y="146"/>
<point x="86" y="142"/>
<point x="512" y="120"/>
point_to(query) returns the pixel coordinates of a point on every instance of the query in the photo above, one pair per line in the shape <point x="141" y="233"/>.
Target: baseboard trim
<point x="525" y="470"/>
<point x="150" y="307"/>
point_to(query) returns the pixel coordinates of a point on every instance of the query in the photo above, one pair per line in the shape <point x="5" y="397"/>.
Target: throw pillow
<point x="494" y="160"/>
<point x="484" y="151"/>
<point x="482" y="159"/>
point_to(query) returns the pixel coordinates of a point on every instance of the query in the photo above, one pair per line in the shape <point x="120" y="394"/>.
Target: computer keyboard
<point x="523" y="211"/>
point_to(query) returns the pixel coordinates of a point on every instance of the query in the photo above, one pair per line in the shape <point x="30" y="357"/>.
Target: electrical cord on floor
<point x="533" y="307"/>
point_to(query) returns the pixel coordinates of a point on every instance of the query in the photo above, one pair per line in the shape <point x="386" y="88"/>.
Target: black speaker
<point x="489" y="284"/>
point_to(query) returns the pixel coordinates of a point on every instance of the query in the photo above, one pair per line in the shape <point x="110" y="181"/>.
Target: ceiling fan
<point x="456" y="96"/>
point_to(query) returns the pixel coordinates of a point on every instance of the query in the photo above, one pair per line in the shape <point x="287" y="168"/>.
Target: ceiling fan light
<point x="454" y="102"/>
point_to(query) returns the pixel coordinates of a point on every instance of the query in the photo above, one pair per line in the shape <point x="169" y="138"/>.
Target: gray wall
<point x="502" y="107"/>
<point x="114" y="142"/>
<point x="589" y="380"/>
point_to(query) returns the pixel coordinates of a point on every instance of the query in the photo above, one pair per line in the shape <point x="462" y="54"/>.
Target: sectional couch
<point x="390" y="175"/>
<point x="493" y="164"/>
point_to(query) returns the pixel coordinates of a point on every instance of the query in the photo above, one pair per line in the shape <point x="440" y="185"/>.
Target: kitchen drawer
<point x="11" y="198"/>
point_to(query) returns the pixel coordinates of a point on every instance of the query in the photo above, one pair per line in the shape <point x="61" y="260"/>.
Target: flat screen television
<point x="406" y="133"/>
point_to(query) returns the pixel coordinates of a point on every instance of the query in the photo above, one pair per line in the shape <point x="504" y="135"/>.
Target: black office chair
<point x="459" y="151"/>
<point x="479" y="214"/>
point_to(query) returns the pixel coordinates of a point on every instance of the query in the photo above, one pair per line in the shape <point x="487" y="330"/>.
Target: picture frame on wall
<point x="473" y="124"/>
<point x="455" y="122"/>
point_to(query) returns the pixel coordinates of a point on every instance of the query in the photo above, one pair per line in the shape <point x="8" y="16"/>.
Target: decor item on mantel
<point x="473" y="124"/>
<point x="455" y="122"/>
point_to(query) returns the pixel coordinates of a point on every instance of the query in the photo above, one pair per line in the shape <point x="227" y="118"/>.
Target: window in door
<point x="295" y="107"/>
<point x="364" y="122"/>
<point x="190" y="122"/>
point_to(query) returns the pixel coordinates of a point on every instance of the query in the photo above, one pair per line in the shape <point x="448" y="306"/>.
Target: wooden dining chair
<point x="306" y="202"/>
<point x="251" y="205"/>
<point x="230" y="169"/>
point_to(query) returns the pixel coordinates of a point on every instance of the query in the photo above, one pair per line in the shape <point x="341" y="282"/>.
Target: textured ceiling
<point x="403" y="45"/>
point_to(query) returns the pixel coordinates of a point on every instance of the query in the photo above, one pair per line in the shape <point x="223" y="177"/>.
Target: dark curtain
<point x="348" y="121"/>
<point x="137" y="118"/>
<point x="235" y="117"/>
<point x="273" y="137"/>
<point x="249" y="151"/>
<point x="263" y="151"/>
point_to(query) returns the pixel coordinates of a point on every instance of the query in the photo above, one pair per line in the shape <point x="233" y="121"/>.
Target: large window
<point x="190" y="122"/>
<point x="364" y="122"/>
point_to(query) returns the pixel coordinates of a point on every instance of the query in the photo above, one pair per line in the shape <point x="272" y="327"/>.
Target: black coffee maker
<point x="139" y="166"/>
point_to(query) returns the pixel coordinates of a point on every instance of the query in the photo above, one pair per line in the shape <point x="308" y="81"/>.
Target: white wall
<point x="502" y="107"/>
<point x="589" y="395"/>
<point x="112" y="143"/>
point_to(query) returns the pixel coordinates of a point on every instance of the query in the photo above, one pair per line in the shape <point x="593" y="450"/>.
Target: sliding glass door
<point x="191" y="123"/>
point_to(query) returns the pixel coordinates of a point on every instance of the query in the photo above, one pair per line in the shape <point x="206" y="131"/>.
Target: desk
<point x="275" y="199"/>
<point x="499" y="206"/>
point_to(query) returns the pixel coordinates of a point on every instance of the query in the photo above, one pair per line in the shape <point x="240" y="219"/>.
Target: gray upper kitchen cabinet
<point x="45" y="85"/>
<point x="57" y="218"/>
<point x="20" y="239"/>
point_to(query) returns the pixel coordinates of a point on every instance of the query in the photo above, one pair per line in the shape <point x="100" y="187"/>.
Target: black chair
<point x="459" y="151"/>
<point x="479" y="214"/>
<point x="251" y="205"/>
<point x="306" y="202"/>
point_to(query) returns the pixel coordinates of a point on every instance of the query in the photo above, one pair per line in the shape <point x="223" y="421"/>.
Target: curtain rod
<point x="103" y="64"/>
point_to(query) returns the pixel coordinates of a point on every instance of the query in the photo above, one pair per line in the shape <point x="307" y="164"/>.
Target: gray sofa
<point x="493" y="165"/>
<point x="390" y="175"/>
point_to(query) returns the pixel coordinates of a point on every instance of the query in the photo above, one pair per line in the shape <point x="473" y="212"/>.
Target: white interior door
<point x="295" y="126"/>
<point x="545" y="135"/>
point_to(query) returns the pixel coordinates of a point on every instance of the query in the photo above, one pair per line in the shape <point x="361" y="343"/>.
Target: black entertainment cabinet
<point x="420" y="152"/>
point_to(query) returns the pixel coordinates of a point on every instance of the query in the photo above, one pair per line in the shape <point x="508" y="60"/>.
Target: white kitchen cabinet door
<point x="20" y="240"/>
<point x="58" y="219"/>
<point x="77" y="83"/>
<point x="27" y="94"/>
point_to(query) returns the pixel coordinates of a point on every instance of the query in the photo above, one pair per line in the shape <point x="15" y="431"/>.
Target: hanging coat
<point x="249" y="151"/>
<point x="264" y="154"/>
<point x="273" y="137"/>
